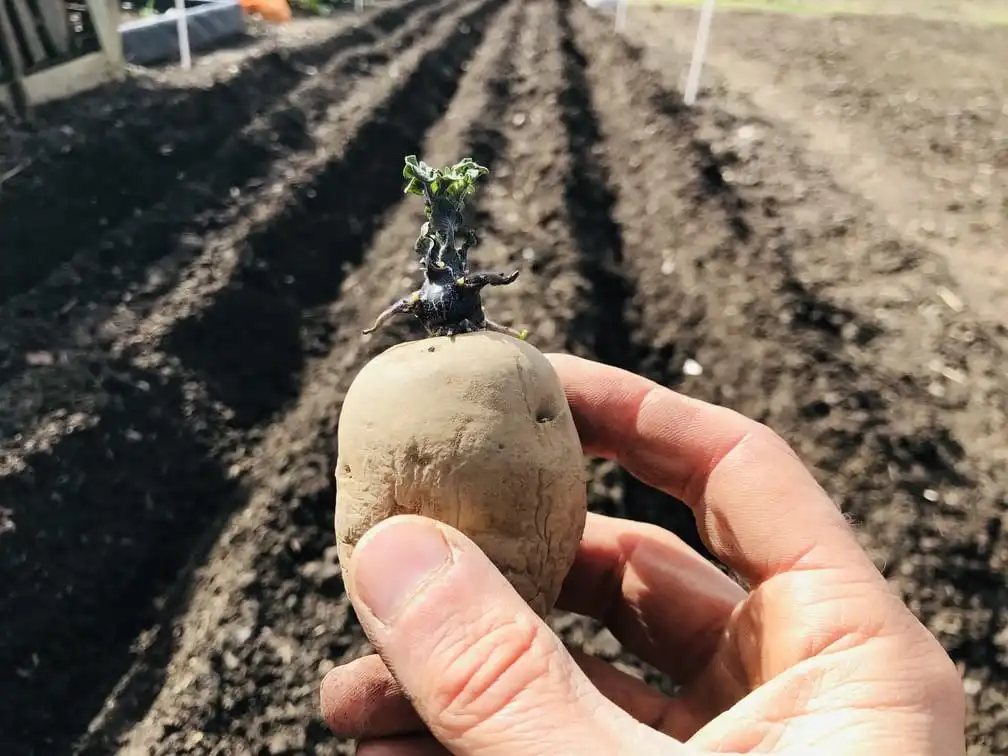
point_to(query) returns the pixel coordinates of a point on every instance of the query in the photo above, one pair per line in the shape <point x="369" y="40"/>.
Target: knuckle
<point x="482" y="671"/>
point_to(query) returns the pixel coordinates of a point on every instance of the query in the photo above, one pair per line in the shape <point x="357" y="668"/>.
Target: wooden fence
<point x="51" y="49"/>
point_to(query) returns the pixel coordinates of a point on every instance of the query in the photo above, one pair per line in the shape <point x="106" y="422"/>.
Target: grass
<point x="981" y="12"/>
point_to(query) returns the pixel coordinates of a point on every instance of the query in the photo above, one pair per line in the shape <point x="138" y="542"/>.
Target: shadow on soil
<point x="101" y="529"/>
<point x="139" y="144"/>
<point x="605" y="323"/>
<point x="248" y="345"/>
<point x="969" y="564"/>
<point x="485" y="139"/>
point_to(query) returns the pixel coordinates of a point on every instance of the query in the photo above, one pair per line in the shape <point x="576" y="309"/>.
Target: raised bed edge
<point x="147" y="41"/>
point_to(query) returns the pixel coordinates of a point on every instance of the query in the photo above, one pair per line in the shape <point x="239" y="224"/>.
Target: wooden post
<point x="699" y="51"/>
<point x="105" y="17"/>
<point x="181" y="23"/>
<point x="19" y="96"/>
<point x="29" y="32"/>
<point x="621" y="11"/>
<point x="56" y="23"/>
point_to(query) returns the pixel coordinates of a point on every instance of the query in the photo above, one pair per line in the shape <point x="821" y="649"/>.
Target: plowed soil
<point x="188" y="259"/>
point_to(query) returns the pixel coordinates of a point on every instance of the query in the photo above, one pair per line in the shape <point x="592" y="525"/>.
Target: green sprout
<point x="449" y="301"/>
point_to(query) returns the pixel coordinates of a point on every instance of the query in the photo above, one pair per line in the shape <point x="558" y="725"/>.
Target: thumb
<point x="483" y="671"/>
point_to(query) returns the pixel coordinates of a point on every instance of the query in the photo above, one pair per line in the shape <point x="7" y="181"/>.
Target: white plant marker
<point x="699" y="51"/>
<point x="185" y="54"/>
<point x="621" y="10"/>
<point x="358" y="5"/>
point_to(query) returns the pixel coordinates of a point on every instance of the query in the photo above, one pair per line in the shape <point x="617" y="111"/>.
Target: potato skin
<point x="475" y="431"/>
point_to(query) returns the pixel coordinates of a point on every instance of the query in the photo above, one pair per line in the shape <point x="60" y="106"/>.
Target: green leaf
<point x="418" y="170"/>
<point x="414" y="187"/>
<point x="468" y="170"/>
<point x="410" y="169"/>
<point x="453" y="183"/>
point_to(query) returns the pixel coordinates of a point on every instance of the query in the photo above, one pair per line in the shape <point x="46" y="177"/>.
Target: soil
<point x="190" y="257"/>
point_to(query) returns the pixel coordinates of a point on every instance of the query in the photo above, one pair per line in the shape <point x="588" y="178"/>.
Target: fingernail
<point x="391" y="564"/>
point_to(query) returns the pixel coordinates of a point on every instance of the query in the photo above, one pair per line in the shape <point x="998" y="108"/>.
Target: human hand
<point x="819" y="656"/>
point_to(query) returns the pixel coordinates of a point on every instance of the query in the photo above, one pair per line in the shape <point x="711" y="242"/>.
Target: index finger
<point x="757" y="507"/>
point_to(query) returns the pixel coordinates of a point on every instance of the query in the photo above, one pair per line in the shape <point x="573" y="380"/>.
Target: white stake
<point x="621" y="9"/>
<point x="183" y="34"/>
<point x="359" y="5"/>
<point x="699" y="51"/>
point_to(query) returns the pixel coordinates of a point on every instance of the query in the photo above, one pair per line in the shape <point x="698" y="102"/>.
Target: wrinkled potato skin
<point x="474" y="431"/>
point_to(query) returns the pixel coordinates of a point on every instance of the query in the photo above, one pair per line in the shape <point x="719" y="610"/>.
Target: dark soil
<point x="188" y="259"/>
<point x="911" y="114"/>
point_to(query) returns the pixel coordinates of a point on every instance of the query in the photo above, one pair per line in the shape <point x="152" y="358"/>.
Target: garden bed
<point x="195" y="253"/>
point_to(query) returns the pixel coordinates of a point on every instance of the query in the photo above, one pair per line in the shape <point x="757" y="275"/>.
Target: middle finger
<point x="663" y="601"/>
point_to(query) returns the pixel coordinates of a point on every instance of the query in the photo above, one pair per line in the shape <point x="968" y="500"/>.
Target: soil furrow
<point x="525" y="224"/>
<point x="156" y="449"/>
<point x="298" y="262"/>
<point x="930" y="172"/>
<point x="86" y="554"/>
<point x="913" y="472"/>
<point x="243" y="183"/>
<point x="531" y="210"/>
<point x="180" y="129"/>
<point x="279" y="603"/>
<point x="517" y="231"/>
<point x="609" y="319"/>
<point x="69" y="384"/>
<point x="589" y="200"/>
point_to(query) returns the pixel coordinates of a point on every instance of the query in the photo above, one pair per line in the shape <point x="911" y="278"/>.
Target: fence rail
<point x="54" y="48"/>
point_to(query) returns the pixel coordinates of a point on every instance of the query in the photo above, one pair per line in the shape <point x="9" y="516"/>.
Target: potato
<point x="471" y="430"/>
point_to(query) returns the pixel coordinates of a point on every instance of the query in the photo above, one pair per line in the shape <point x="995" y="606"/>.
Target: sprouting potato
<point x="469" y="426"/>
